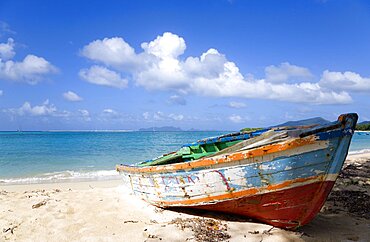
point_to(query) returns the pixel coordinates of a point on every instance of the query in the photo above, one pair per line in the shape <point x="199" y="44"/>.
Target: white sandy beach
<point x="106" y="211"/>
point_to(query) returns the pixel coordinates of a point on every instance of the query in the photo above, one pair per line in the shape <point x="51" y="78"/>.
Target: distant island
<point x="363" y="126"/>
<point x="310" y="121"/>
<point x="161" y="129"/>
<point x="316" y="120"/>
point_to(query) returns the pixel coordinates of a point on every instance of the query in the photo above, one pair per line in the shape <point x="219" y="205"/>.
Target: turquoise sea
<point x="36" y="157"/>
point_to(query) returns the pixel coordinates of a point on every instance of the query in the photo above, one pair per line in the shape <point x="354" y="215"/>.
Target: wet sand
<point x="107" y="211"/>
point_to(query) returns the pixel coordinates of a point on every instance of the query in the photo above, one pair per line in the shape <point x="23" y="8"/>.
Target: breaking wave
<point x="354" y="152"/>
<point x="64" y="176"/>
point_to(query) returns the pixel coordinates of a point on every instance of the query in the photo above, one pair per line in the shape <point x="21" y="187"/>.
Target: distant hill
<point x="317" y="120"/>
<point x="364" y="122"/>
<point x="194" y="130"/>
<point x="161" y="129"/>
<point x="364" y="126"/>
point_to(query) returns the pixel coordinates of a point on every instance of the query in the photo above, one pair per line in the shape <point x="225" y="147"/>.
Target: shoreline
<point x="108" y="211"/>
<point x="79" y="185"/>
<point x="103" y="179"/>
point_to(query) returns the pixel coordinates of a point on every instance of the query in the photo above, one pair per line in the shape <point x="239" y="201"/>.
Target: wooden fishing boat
<point x="280" y="176"/>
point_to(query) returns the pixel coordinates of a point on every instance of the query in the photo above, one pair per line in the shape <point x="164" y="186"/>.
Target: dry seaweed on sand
<point x="357" y="173"/>
<point x="37" y="205"/>
<point x="356" y="202"/>
<point x="351" y="191"/>
<point x="204" y="229"/>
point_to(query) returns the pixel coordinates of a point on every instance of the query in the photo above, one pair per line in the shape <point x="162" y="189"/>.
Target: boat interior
<point x="235" y="142"/>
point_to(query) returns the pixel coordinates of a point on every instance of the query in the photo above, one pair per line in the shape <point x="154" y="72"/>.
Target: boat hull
<point x="283" y="183"/>
<point x="289" y="209"/>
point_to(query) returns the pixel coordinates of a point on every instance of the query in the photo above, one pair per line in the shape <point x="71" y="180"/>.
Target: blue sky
<point x="220" y="65"/>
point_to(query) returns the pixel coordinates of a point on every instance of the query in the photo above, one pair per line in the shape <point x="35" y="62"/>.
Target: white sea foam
<point x="64" y="176"/>
<point x="359" y="151"/>
<point x="362" y="131"/>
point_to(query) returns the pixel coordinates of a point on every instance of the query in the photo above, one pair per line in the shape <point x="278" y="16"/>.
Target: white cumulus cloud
<point x="7" y="50"/>
<point x="103" y="76"/>
<point x="348" y="80"/>
<point x="161" y="116"/>
<point x="236" y="118"/>
<point x="84" y="114"/>
<point x="109" y="111"/>
<point x="72" y="96"/>
<point x="112" y="52"/>
<point x="176" y="99"/>
<point x="176" y="117"/>
<point x="111" y="114"/>
<point x="286" y="71"/>
<point x="32" y="69"/>
<point x="237" y="105"/>
<point x="48" y="110"/>
<point x="166" y="46"/>
<point x="160" y="66"/>
<point x="45" y="109"/>
<point x="146" y="115"/>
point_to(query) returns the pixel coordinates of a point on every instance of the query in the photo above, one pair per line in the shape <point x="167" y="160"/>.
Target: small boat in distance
<point x="280" y="176"/>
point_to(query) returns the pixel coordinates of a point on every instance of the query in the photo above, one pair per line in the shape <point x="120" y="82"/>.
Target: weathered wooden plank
<point x="280" y="177"/>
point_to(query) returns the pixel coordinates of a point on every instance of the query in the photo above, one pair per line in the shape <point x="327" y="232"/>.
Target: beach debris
<point x="301" y="234"/>
<point x="158" y="210"/>
<point x="57" y="190"/>
<point x="37" y="205"/>
<point x="39" y="191"/>
<point x="153" y="221"/>
<point x="131" y="221"/>
<point x="204" y="229"/>
<point x="254" y="232"/>
<point x="353" y="238"/>
<point x="3" y="192"/>
<point x="355" y="202"/>
<point x="11" y="228"/>
<point x="351" y="191"/>
<point x="268" y="232"/>
<point x="356" y="171"/>
<point x="152" y="236"/>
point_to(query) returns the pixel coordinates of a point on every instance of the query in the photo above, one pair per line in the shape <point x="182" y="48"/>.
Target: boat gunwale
<point x="224" y="158"/>
<point x="304" y="138"/>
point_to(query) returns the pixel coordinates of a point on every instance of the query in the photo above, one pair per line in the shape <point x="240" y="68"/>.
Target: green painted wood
<point x="189" y="153"/>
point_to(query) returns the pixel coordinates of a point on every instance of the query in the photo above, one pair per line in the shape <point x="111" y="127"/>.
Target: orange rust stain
<point x="260" y="151"/>
<point x="236" y="195"/>
<point x="290" y="182"/>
